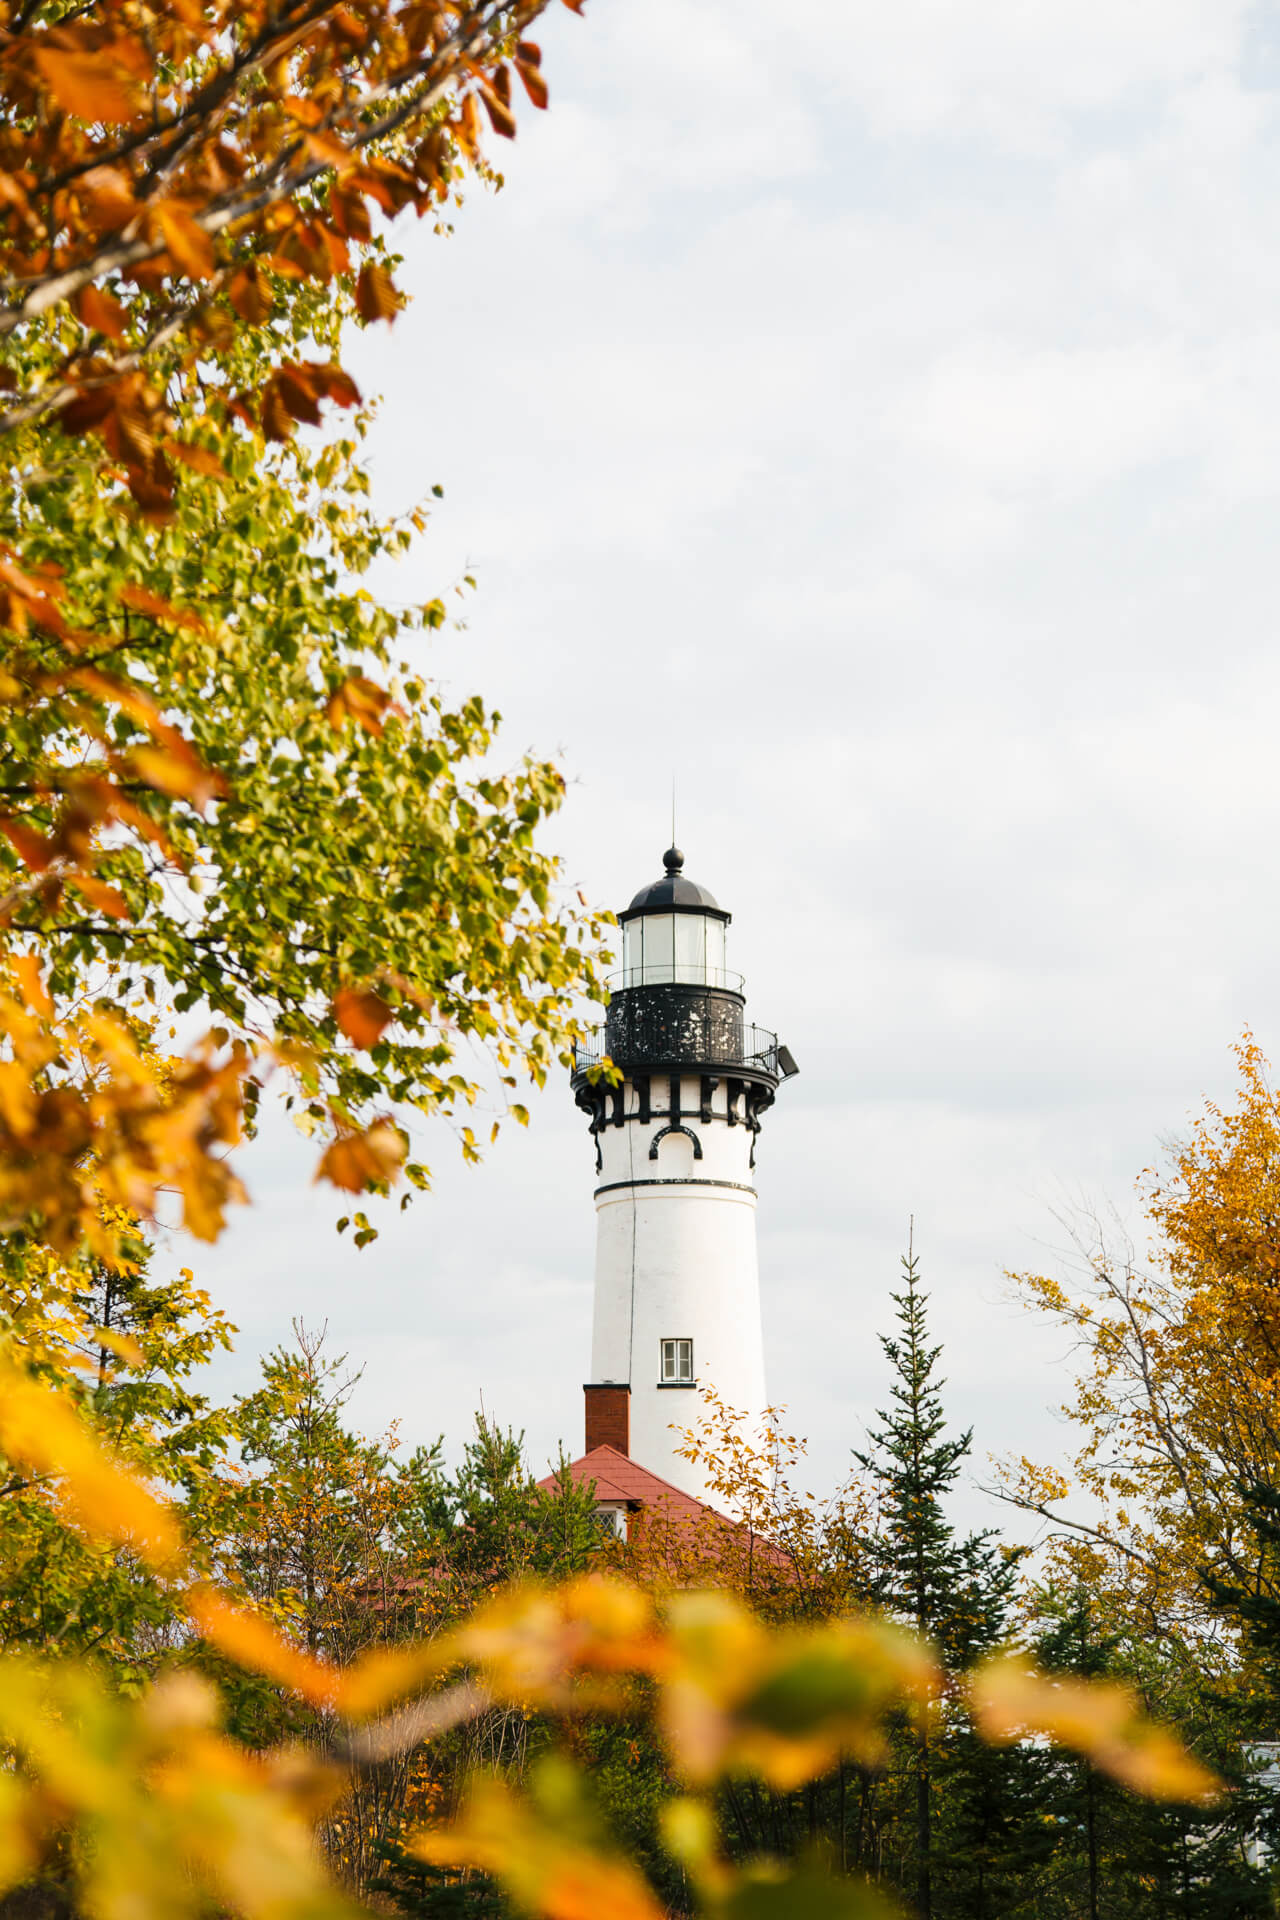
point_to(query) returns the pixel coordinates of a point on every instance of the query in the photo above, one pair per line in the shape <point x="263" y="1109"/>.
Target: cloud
<point x="873" y="429"/>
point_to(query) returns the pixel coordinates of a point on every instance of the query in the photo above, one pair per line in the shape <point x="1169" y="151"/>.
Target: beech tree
<point x="229" y="787"/>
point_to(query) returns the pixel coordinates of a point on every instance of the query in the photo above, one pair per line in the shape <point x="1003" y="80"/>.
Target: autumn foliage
<point x="246" y="846"/>
<point x="193" y="198"/>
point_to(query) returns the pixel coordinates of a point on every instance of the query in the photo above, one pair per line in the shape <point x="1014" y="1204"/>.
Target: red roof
<point x="618" y="1477"/>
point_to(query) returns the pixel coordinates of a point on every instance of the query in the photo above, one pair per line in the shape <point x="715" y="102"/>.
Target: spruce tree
<point x="1119" y="1855"/>
<point x="954" y="1592"/>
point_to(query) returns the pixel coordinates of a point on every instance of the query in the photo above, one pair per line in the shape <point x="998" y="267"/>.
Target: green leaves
<point x="349" y="846"/>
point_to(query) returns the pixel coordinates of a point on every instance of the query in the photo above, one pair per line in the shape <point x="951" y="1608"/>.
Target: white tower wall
<point x="676" y="1259"/>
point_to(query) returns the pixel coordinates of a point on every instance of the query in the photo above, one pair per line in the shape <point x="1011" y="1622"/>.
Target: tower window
<point x="677" y="1363"/>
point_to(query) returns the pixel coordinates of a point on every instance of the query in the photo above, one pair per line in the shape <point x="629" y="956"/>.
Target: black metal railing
<point x="758" y="1053"/>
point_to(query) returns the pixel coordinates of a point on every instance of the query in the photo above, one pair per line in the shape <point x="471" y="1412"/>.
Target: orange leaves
<point x="156" y="607"/>
<point x="362" y="1014"/>
<point x="85" y="84"/>
<point x="1103" y="1722"/>
<point x="169" y="764"/>
<point x="186" y="88"/>
<point x="41" y="1432"/>
<point x="376" y="297"/>
<point x="100" y="312"/>
<point x="528" y="64"/>
<point x="362" y="700"/>
<point x="199" y="459"/>
<point x="250" y="294"/>
<point x="29" y="598"/>
<point x="497" y="102"/>
<point x="107" y="198"/>
<point x="252" y="1641"/>
<point x="107" y="899"/>
<point x="31" y="847"/>
<point x="542" y="1849"/>
<point x="356" y="1161"/>
<point x="185" y="240"/>
<point x="294" y="393"/>
<point x="131" y="1128"/>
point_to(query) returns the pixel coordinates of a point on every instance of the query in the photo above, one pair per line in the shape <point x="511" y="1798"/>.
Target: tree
<point x="178" y="150"/>
<point x="953" y="1591"/>
<point x="125" y="1345"/>
<point x="1114" y="1856"/>
<point x="209" y="802"/>
<point x="1175" y="1403"/>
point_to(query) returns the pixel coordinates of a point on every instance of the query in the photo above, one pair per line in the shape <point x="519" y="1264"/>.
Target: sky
<point x="875" y="432"/>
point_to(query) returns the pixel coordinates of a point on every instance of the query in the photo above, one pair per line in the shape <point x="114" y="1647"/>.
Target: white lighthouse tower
<point x="677" y="1291"/>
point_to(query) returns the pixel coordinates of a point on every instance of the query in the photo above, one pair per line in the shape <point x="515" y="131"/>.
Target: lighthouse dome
<point x="674" y="893"/>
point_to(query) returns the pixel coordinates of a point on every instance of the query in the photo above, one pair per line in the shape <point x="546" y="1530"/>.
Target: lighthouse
<point x="677" y="1289"/>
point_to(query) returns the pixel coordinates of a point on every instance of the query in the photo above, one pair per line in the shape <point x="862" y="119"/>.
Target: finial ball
<point x="673" y="859"/>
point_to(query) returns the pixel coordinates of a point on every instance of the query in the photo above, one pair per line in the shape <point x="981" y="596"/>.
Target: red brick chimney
<point x="608" y="1416"/>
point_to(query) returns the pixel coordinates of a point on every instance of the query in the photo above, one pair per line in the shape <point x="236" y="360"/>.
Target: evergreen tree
<point x="1116" y="1855"/>
<point x="952" y="1591"/>
<point x="442" y="1893"/>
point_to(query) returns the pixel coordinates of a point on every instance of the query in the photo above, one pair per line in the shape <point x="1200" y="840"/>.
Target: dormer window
<point x="677" y="1363"/>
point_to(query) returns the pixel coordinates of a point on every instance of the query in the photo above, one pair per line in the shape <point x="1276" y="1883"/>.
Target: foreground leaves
<point x="171" y="1814"/>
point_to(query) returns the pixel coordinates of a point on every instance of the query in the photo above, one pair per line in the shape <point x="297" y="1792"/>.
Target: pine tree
<point x="954" y="1592"/>
<point x="1116" y="1855"/>
<point x="443" y="1893"/>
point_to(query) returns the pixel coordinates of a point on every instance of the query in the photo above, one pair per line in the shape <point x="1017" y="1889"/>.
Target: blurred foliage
<point x="728" y="1698"/>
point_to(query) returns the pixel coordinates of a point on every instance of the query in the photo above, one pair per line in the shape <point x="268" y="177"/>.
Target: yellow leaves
<point x="158" y="1814"/>
<point x="19" y="1846"/>
<point x="362" y="1014"/>
<point x="121" y="1344"/>
<point x="41" y="1432"/>
<point x="356" y="1161"/>
<point x="784" y="1706"/>
<point x="149" y="1126"/>
<point x="540" y="1644"/>
<point x="544" y="1849"/>
<point x="205" y="1823"/>
<point x="252" y="1641"/>
<point x="1101" y="1721"/>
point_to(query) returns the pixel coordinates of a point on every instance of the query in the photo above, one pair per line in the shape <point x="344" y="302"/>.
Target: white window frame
<point x="675" y="1362"/>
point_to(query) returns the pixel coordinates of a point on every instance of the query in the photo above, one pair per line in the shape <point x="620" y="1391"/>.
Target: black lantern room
<point x="674" y="1005"/>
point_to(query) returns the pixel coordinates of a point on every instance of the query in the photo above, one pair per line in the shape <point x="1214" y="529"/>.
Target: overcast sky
<point x="872" y="421"/>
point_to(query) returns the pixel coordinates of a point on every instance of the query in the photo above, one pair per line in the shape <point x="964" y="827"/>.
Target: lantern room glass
<point x="664" y="949"/>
